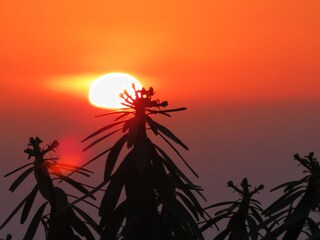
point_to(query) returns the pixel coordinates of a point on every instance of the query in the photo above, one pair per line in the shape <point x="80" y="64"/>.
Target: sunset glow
<point x="248" y="73"/>
<point x="104" y="91"/>
<point x="76" y="85"/>
<point x="70" y="153"/>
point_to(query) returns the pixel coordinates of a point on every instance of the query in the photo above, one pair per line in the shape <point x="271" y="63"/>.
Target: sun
<point x="104" y="91"/>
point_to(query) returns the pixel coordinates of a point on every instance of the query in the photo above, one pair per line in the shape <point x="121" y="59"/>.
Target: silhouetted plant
<point x="293" y="216"/>
<point x="244" y="214"/>
<point x="57" y="225"/>
<point x="148" y="197"/>
<point x="159" y="201"/>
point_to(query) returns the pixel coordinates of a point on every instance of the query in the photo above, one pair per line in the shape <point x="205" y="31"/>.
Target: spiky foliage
<point x="293" y="208"/>
<point x="58" y="224"/>
<point x="244" y="214"/>
<point x="159" y="201"/>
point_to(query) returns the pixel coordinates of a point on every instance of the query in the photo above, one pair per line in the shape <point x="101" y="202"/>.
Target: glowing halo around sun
<point x="104" y="91"/>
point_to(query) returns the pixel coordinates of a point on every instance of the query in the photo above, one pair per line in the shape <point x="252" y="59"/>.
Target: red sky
<point x="248" y="71"/>
<point x="244" y="50"/>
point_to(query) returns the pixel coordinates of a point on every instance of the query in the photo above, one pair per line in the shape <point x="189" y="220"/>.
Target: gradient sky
<point x="248" y="72"/>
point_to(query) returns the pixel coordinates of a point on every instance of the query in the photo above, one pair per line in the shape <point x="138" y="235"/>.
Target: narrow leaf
<point x="219" y="204"/>
<point x="113" y="156"/>
<point x="271" y="219"/>
<point x="19" y="180"/>
<point x="75" y="184"/>
<point x="87" y="218"/>
<point x="112" y="113"/>
<point x="128" y="123"/>
<point x="85" y="201"/>
<point x="84" y="197"/>
<point x="222" y="235"/>
<point x="35" y="223"/>
<point x="189" y="205"/>
<point x="166" y="111"/>
<point x="183" y="216"/>
<point x="87" y="163"/>
<point x="175" y="170"/>
<point x="105" y="128"/>
<point x="254" y="201"/>
<point x="122" y="116"/>
<point x="256" y="214"/>
<point x="253" y="227"/>
<point x="69" y="217"/>
<point x="300" y="213"/>
<point x="166" y="132"/>
<point x="184" y="187"/>
<point x="177" y="152"/>
<point x="28" y="205"/>
<point x="291" y="183"/>
<point x="172" y="165"/>
<point x="156" y="112"/>
<point x="13" y="213"/>
<point x="113" y="191"/>
<point x="213" y="221"/>
<point x="228" y="209"/>
<point x="100" y="139"/>
<point x="111" y="230"/>
<point x="78" y="225"/>
<point x="127" y="105"/>
<point x="278" y="205"/>
<point x="72" y="167"/>
<point x="16" y="170"/>
<point x="284" y="196"/>
<point x="153" y="128"/>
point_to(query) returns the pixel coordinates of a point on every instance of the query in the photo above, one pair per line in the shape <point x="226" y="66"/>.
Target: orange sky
<point x="243" y="50"/>
<point x="248" y="71"/>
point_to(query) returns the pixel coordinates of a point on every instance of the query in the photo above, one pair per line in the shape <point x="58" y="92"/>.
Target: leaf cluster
<point x="287" y="217"/>
<point x="159" y="196"/>
<point x="148" y="197"/>
<point x="53" y="223"/>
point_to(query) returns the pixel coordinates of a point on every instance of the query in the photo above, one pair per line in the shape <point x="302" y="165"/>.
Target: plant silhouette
<point x="244" y="214"/>
<point x="57" y="226"/>
<point x="159" y="200"/>
<point x="148" y="197"/>
<point x="296" y="215"/>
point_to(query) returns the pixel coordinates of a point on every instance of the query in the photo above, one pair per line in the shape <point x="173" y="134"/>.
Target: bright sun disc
<point x="104" y="91"/>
